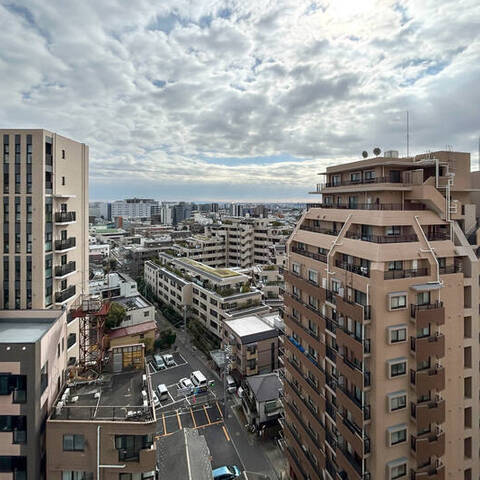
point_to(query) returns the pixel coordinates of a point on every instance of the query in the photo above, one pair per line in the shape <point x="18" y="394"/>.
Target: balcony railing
<point x="65" y="244"/>
<point x="433" y="236"/>
<point x="359" y="270"/>
<point x="456" y="268"/>
<point x="306" y="253"/>
<point x="410" y="273"/>
<point x="65" y="217"/>
<point x="382" y="238"/>
<point x="326" y="231"/>
<point x="62" y="270"/>
<point x="369" y="206"/>
<point x="331" y="410"/>
<point x="64" y="295"/>
<point x="361" y="181"/>
<point x="429" y="306"/>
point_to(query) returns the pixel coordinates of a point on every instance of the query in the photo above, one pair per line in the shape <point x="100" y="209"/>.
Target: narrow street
<point x="260" y="458"/>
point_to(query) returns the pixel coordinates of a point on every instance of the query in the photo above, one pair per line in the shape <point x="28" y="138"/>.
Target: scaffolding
<point x="92" y="312"/>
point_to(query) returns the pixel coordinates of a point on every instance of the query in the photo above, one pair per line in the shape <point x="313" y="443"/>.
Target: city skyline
<point x="214" y="101"/>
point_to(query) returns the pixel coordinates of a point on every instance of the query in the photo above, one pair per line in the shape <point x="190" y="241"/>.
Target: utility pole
<point x="226" y="370"/>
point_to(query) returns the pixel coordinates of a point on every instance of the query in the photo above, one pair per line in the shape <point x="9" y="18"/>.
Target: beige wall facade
<point x="45" y="218"/>
<point x="381" y="314"/>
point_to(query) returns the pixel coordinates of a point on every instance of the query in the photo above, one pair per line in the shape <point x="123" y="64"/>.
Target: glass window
<point x="398" y="301"/>
<point x="73" y="443"/>
<point x="398" y="368"/>
<point x="398" y="472"/>
<point x="398" y="435"/>
<point x="397" y="400"/>
<point x="423" y="298"/>
<point x="398" y="334"/>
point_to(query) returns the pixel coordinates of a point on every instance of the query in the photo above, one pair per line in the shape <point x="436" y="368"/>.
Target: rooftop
<point x="219" y="272"/>
<point x="27" y="326"/>
<point x="251" y="328"/>
<point x="265" y="387"/>
<point x="110" y="397"/>
<point x="132" y="330"/>
<point x="133" y="303"/>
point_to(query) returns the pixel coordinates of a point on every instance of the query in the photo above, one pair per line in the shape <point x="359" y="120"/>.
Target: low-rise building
<point x="261" y="402"/>
<point x="253" y="343"/>
<point x="138" y="333"/>
<point x="104" y="427"/>
<point x="211" y="295"/>
<point x="114" y="285"/>
<point x="138" y="310"/>
<point x="33" y="347"/>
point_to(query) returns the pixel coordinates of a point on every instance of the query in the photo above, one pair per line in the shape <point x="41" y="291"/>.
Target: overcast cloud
<point x="247" y="99"/>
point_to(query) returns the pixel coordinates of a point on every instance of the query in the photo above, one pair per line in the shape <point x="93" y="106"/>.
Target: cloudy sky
<point x="239" y="100"/>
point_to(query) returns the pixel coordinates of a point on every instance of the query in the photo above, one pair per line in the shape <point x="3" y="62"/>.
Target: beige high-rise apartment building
<point x="45" y="223"/>
<point x="381" y="376"/>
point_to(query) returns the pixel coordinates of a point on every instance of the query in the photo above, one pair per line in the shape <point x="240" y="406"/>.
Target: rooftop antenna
<point x="408" y="135"/>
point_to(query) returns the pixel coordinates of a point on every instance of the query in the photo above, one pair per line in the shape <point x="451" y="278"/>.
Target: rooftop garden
<point x="219" y="272"/>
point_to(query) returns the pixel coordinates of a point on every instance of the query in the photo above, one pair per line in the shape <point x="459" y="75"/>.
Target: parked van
<point x="231" y="385"/>
<point x="199" y="381"/>
<point x="162" y="392"/>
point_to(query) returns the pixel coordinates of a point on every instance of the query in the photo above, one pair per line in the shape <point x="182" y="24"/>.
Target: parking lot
<point x="202" y="412"/>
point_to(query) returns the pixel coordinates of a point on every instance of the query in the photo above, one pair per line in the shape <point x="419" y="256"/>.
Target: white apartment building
<point x="211" y="295"/>
<point x="133" y="208"/>
<point x="209" y="250"/>
<point x="249" y="241"/>
<point x="45" y="222"/>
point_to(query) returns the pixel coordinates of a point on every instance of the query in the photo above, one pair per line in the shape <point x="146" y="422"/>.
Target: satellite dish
<point x="377" y="151"/>
<point x="364" y="154"/>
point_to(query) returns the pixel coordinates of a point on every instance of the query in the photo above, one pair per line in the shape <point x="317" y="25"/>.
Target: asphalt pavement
<point x="226" y="436"/>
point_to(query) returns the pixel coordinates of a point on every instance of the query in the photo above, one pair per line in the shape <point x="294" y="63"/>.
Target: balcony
<point x="431" y="472"/>
<point x="369" y="206"/>
<point x="404" y="238"/>
<point x="301" y="422"/>
<point x="361" y="181"/>
<point x="62" y="271"/>
<point x="426" y="314"/>
<point x="428" y="445"/>
<point x="359" y="270"/>
<point x="352" y="371"/>
<point x="356" y="345"/>
<point x="315" y="229"/>
<point x="352" y="465"/>
<point x="349" y="308"/>
<point x="295" y="461"/>
<point x="64" y="218"/>
<point x="360" y="413"/>
<point x="426" y="347"/>
<point x="64" y="295"/>
<point x="409" y="273"/>
<point x="64" y="245"/>
<point x="424" y="381"/>
<point x="426" y="413"/>
<point x="306" y="253"/>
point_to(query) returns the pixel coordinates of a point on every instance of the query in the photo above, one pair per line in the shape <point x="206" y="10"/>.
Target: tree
<point x="115" y="316"/>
